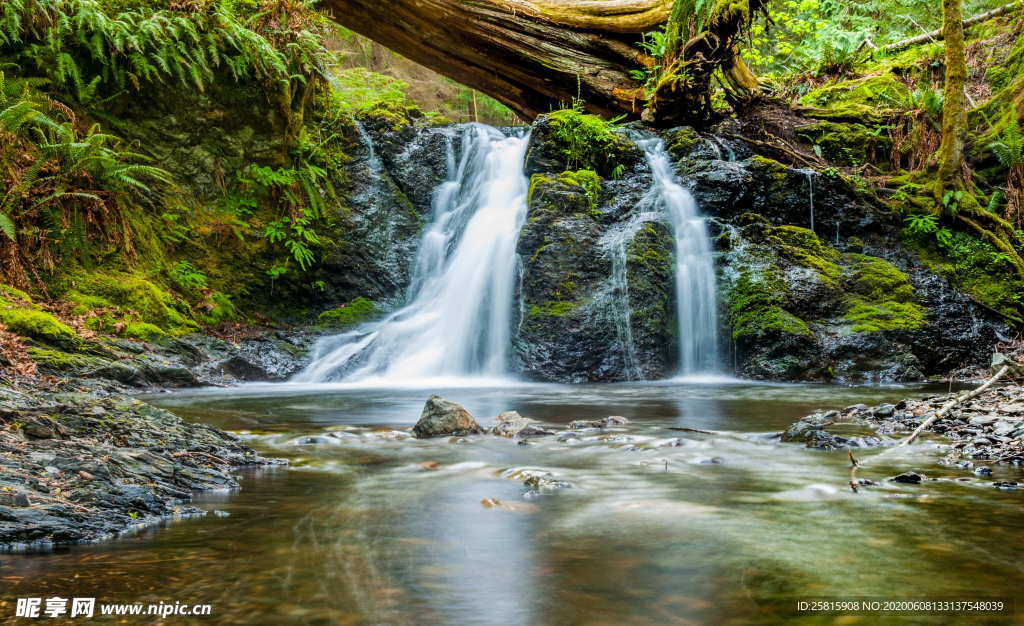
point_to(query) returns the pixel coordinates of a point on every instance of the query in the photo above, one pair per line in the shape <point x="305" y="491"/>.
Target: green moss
<point x="682" y="141"/>
<point x="755" y="307"/>
<point x="589" y="181"/>
<point x="220" y="309"/>
<point x="85" y="303"/>
<point x="35" y="324"/>
<point x="880" y="296"/>
<point x="352" y="314"/>
<point x="144" y="331"/>
<point x="552" y="308"/>
<point x="847" y="143"/>
<point x="803" y="247"/>
<point x="62" y="361"/>
<point x="869" y="317"/>
<point x="144" y="299"/>
<point x="868" y="98"/>
<point x="17" y="294"/>
<point x="586" y="141"/>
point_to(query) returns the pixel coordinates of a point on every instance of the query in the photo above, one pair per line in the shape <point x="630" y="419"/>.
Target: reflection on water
<point x="368" y="530"/>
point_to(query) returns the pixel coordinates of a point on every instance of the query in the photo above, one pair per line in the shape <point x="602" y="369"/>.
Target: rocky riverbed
<point x="80" y="467"/>
<point x="976" y="434"/>
<point x="82" y="461"/>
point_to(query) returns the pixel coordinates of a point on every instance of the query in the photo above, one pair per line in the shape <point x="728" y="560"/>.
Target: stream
<point x="725" y="528"/>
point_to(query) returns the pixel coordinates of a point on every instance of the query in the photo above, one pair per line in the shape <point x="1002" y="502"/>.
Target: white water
<point x="458" y="314"/>
<point x="695" y="272"/>
<point x="615" y="243"/>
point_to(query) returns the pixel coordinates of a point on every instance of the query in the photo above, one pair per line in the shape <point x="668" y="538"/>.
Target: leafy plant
<point x="922" y="223"/>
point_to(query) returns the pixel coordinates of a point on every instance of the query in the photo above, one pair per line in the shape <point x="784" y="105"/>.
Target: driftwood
<point x="936" y="35"/>
<point x="1004" y="366"/>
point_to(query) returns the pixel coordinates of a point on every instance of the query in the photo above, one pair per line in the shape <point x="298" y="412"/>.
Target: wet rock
<point x="983" y="470"/>
<point x="607" y="422"/>
<point x="1006" y="485"/>
<point x="513" y="425"/>
<point x="884" y="410"/>
<point x="442" y="417"/>
<point x="14" y="500"/>
<point x="909" y="478"/>
<point x="714" y="460"/>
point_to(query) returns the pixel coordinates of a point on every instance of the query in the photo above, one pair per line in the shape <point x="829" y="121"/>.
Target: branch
<point x="936" y="35"/>
<point x="952" y="403"/>
<point x="946" y="408"/>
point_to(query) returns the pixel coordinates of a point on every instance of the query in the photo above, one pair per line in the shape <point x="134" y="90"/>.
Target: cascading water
<point x="457" y="318"/>
<point x="619" y="310"/>
<point x="695" y="273"/>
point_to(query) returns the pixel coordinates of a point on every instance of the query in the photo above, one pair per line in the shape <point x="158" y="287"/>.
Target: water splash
<point x="458" y="314"/>
<point x="695" y="273"/>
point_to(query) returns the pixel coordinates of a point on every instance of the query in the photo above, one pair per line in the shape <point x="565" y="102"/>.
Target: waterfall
<point x="810" y="174"/>
<point x="458" y="311"/>
<point x="695" y="272"/>
<point x="615" y="244"/>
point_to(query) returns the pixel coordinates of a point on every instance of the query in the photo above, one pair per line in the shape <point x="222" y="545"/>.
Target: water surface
<point x="368" y="530"/>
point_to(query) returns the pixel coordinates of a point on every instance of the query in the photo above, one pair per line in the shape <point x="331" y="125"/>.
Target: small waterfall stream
<point x="695" y="273"/>
<point x="457" y="318"/>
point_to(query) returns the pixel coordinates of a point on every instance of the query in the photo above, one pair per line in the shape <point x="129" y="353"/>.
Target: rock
<point x="1012" y="409"/>
<point x="513" y="425"/>
<point x="442" y="418"/>
<point x="983" y="470"/>
<point x="14" y="499"/>
<point x="884" y="410"/>
<point x="608" y="422"/>
<point x="983" y="420"/>
<point x="910" y="478"/>
<point x="1007" y="485"/>
<point x="715" y="460"/>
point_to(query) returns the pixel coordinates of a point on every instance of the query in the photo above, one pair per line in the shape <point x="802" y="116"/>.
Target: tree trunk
<point x="538" y="55"/>
<point x="954" y="108"/>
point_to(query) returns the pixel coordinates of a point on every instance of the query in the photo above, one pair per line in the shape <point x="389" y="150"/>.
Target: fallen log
<point x="936" y="35"/>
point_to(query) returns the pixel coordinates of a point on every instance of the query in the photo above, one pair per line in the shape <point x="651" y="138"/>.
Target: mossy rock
<point x="865" y="99"/>
<point x="682" y="141"/>
<point x="565" y="194"/>
<point x="803" y="247"/>
<point x="36" y="324"/>
<point x="880" y="296"/>
<point x="134" y="294"/>
<point x="552" y="308"/>
<point x="755" y="307"/>
<point x="350" y="315"/>
<point x="847" y="143"/>
<point x="8" y="293"/>
<point x="573" y="140"/>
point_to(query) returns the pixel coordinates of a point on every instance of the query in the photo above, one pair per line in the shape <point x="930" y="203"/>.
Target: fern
<point x="1009" y="150"/>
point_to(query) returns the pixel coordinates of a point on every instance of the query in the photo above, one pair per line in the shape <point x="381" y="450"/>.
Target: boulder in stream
<point x="513" y="425"/>
<point x="442" y="417"/>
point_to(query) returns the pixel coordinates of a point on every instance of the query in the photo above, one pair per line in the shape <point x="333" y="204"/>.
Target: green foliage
<point x="588" y="180"/>
<point x="586" y="141"/>
<point x="830" y="36"/>
<point x="350" y="315"/>
<point x="85" y="46"/>
<point x="1010" y="147"/>
<point x="186" y="276"/>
